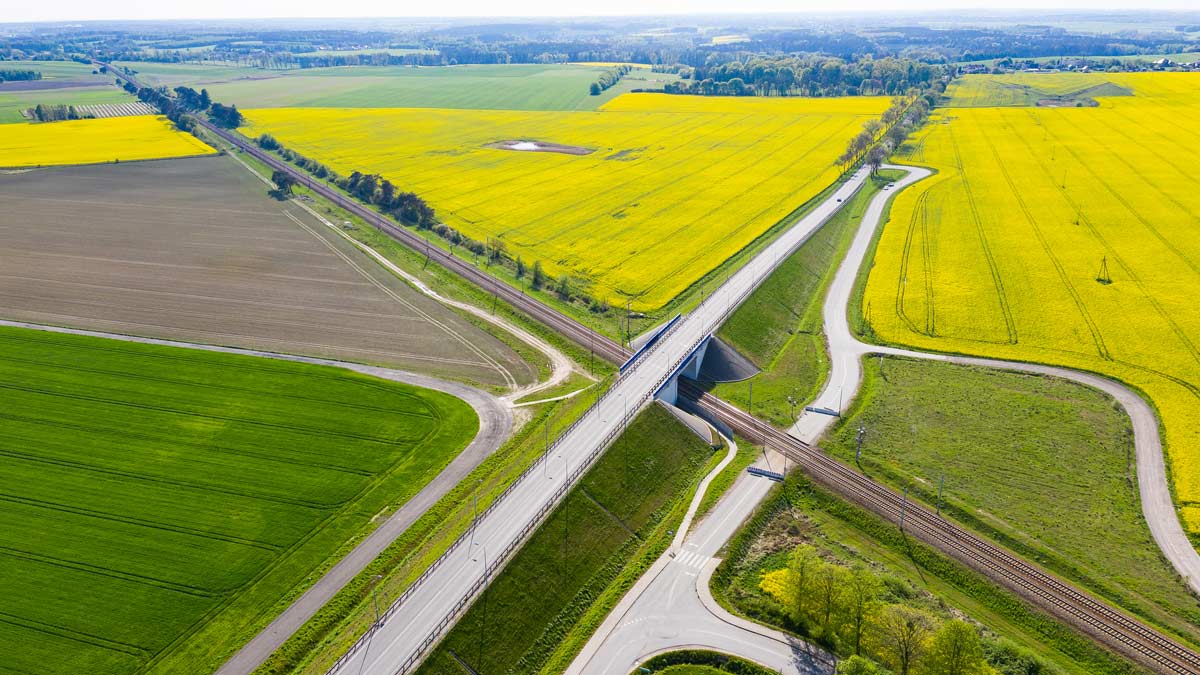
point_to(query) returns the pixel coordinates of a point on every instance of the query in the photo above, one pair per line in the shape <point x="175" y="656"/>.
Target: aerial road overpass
<point x="413" y="624"/>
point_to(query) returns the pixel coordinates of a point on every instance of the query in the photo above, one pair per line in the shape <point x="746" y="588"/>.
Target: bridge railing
<point x="435" y="633"/>
<point x="538" y="462"/>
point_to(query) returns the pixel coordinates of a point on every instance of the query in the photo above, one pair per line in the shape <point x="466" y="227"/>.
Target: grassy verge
<point x="314" y="647"/>
<point x="574" y="383"/>
<point x="439" y="279"/>
<point x="700" y="662"/>
<point x="747" y="452"/>
<point x="779" y="327"/>
<point x="542" y="607"/>
<point x="913" y="575"/>
<point x="1042" y="465"/>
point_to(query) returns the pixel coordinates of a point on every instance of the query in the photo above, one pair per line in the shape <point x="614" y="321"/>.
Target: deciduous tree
<point x="904" y="637"/>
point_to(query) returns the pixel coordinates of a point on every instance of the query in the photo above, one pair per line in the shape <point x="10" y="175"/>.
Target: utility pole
<point x="941" y="482"/>
<point x="566" y="512"/>
<point x="375" y="596"/>
<point x="625" y="442"/>
<point x="374" y="628"/>
<point x="858" y="440"/>
<point x="483" y="621"/>
<point x="903" y="507"/>
<point x="628" y="309"/>
<point x="475" y="510"/>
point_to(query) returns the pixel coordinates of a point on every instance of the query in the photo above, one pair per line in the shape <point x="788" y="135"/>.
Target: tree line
<point x="410" y="209"/>
<point x="880" y="137"/>
<point x="803" y="76"/>
<point x="608" y="78"/>
<point x="860" y="614"/>
<point x="19" y="75"/>
<point x="179" y="103"/>
<point x="56" y="113"/>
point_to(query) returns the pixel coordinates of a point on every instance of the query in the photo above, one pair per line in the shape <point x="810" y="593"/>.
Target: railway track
<point x="1104" y="623"/>
<point x="564" y="325"/>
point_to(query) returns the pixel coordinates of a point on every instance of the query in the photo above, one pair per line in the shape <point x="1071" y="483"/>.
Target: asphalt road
<point x="414" y="624"/>
<point x="671" y="608"/>
<point x="495" y="424"/>
<point x="847" y="352"/>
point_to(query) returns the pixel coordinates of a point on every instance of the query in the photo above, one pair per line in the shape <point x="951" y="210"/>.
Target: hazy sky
<point x="58" y="10"/>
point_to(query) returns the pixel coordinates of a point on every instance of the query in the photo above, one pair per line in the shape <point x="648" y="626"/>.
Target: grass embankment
<point x="700" y="662"/>
<point x="325" y="637"/>
<point x="158" y="499"/>
<point x="1015" y="637"/>
<point x="437" y="278"/>
<point x="1043" y="465"/>
<point x="779" y="326"/>
<point x="541" y="609"/>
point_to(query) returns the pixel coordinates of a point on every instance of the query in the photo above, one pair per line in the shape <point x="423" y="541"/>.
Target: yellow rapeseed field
<point x="95" y="141"/>
<point x="672" y="185"/>
<point x="1065" y="236"/>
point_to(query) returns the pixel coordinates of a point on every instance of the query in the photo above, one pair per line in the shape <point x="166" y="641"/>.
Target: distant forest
<point x="699" y="43"/>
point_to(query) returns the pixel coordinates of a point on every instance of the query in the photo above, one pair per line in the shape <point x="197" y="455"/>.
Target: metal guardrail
<point x="529" y="526"/>
<point x="460" y="606"/>
<point x="650" y="343"/>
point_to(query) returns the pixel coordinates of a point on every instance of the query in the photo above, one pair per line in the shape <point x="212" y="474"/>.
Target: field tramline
<point x="1061" y="235"/>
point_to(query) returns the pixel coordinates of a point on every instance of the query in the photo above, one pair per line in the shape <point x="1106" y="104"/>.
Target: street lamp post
<point x="374" y="627"/>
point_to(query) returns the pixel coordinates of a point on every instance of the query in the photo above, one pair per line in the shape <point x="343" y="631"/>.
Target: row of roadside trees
<point x="880" y="137"/>
<point x="410" y="209"/>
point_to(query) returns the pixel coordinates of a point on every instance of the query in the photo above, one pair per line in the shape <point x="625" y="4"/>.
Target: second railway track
<point x="1105" y="623"/>
<point x="1108" y="625"/>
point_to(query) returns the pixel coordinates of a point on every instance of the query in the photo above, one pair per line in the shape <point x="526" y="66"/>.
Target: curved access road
<point x="560" y="366"/>
<point x="671" y="607"/>
<point x="847" y="352"/>
<point x="495" y="423"/>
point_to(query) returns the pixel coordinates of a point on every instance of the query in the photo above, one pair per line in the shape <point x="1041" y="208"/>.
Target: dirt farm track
<point x="193" y="249"/>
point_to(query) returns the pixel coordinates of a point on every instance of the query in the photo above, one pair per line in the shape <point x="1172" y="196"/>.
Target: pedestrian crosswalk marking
<point x="692" y="559"/>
